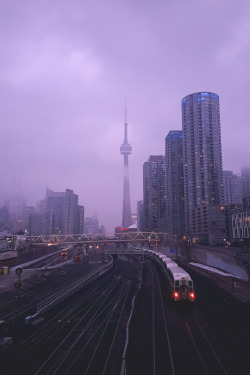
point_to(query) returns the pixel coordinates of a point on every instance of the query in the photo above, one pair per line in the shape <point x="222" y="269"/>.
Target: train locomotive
<point x="180" y="282"/>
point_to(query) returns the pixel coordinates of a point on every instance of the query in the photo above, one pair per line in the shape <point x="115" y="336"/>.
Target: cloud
<point x="236" y="50"/>
<point x="52" y="61"/>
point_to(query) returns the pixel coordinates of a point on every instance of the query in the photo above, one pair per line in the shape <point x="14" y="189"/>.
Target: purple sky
<point x="66" y="67"/>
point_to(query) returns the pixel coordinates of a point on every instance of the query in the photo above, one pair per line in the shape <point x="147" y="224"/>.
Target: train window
<point x="177" y="283"/>
<point x="190" y="283"/>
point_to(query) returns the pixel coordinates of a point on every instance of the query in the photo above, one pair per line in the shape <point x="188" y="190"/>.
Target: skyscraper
<point x="232" y="188"/>
<point x="70" y="212"/>
<point x="154" y="193"/>
<point x="202" y="160"/>
<point x="245" y="176"/>
<point x="64" y="215"/>
<point x="126" y="150"/>
<point x="55" y="203"/>
<point x="174" y="183"/>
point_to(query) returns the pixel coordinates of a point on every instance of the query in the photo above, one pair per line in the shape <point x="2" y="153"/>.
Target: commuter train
<point x="181" y="284"/>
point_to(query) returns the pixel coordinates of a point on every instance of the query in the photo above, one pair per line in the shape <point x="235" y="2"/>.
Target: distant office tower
<point x="146" y="196"/>
<point x="202" y="160"/>
<point x="36" y="224"/>
<point x="55" y="203"/>
<point x="174" y="183"/>
<point x="68" y="216"/>
<point x="41" y="205"/>
<point x="232" y="188"/>
<point x="154" y="193"/>
<point x="27" y="211"/>
<point x="126" y="150"/>
<point x="80" y="219"/>
<point x="49" y="222"/>
<point x="91" y="225"/>
<point x="4" y="218"/>
<point x="245" y="176"/>
<point x="70" y="212"/>
<point x="140" y="216"/>
<point x="15" y="204"/>
<point x="102" y="229"/>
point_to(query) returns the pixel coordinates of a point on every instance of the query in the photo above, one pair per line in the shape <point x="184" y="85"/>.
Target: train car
<point x="181" y="284"/>
<point x="169" y="263"/>
<point x="64" y="253"/>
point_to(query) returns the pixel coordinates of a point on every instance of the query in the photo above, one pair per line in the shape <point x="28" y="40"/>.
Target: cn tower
<point x="126" y="150"/>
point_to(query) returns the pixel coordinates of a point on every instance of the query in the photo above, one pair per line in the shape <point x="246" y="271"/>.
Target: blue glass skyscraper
<point x="202" y="163"/>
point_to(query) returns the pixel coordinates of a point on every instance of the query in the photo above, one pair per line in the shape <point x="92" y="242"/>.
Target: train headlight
<point x="191" y="295"/>
<point x="176" y="294"/>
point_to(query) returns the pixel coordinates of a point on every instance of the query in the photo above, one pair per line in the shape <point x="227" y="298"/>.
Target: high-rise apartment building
<point x="245" y="176"/>
<point x="140" y="216"/>
<point x="232" y="188"/>
<point x="55" y="203"/>
<point x="70" y="212"/>
<point x="202" y="160"/>
<point x="174" y="183"/>
<point x="146" y="196"/>
<point x="49" y="222"/>
<point x="80" y="219"/>
<point x="154" y="193"/>
<point x="63" y="214"/>
<point x="28" y="210"/>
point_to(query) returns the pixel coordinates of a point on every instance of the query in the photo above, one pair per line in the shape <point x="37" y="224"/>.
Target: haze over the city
<point x="66" y="68"/>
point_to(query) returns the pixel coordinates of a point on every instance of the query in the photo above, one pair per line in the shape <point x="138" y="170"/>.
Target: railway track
<point x="152" y="354"/>
<point x="30" y="298"/>
<point x="81" y="334"/>
<point x="211" y="336"/>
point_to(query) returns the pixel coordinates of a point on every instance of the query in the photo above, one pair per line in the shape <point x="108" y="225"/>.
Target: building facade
<point x="55" y="203"/>
<point x="140" y="216"/>
<point x="245" y="176"/>
<point x="70" y="212"/>
<point x="80" y="219"/>
<point x="91" y="225"/>
<point x="174" y="184"/>
<point x="202" y="161"/>
<point x="154" y="194"/>
<point x="232" y="188"/>
<point x="241" y="221"/>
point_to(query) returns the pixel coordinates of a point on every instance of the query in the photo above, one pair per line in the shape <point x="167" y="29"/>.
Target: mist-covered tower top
<point x="125" y="148"/>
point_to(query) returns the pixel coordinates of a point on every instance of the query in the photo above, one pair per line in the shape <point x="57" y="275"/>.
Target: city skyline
<point x="65" y="70"/>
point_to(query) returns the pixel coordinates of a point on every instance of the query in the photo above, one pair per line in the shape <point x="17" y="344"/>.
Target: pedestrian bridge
<point x="107" y="239"/>
<point x="131" y="251"/>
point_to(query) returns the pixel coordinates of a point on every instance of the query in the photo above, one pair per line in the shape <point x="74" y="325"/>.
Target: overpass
<point x="101" y="239"/>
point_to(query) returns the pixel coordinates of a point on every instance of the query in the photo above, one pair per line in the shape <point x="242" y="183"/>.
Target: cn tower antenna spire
<point x="126" y="150"/>
<point x="126" y="121"/>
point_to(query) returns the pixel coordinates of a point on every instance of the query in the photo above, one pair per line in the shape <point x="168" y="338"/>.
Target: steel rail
<point x="123" y="292"/>
<point x="62" y="357"/>
<point x="166" y="327"/>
